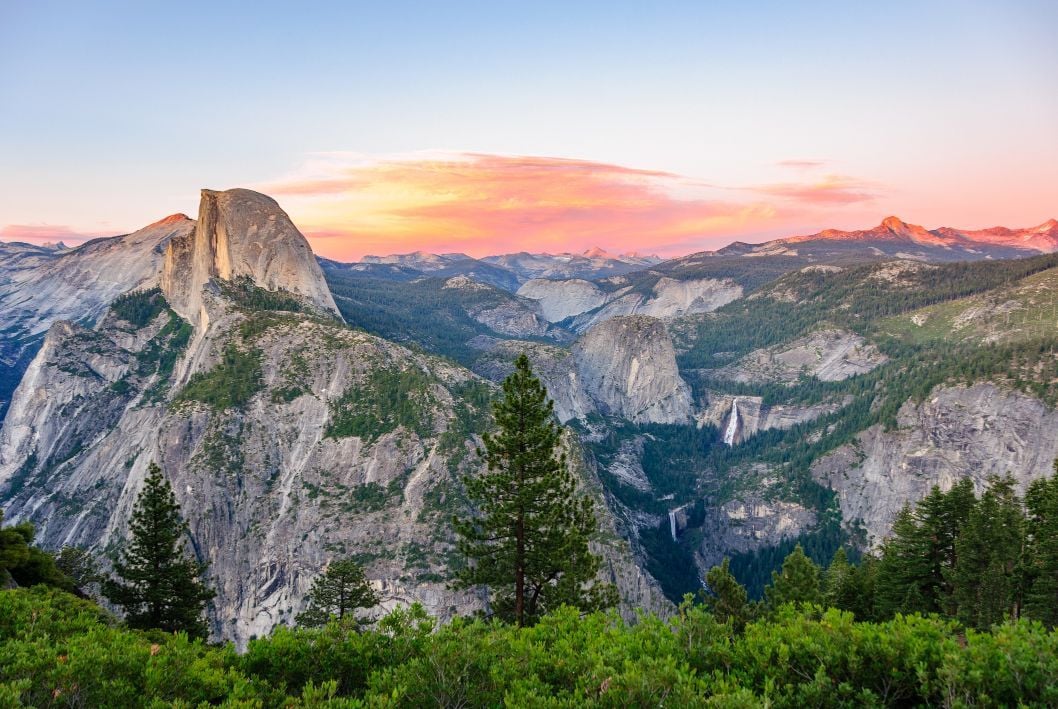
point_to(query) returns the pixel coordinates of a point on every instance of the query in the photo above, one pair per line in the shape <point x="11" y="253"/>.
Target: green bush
<point x="229" y="385"/>
<point x="139" y="307"/>
<point x="57" y="650"/>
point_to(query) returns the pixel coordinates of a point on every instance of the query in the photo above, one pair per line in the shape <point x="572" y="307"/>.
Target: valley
<point x="733" y="403"/>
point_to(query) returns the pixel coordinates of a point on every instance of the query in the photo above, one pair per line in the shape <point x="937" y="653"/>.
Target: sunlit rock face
<point x="241" y="233"/>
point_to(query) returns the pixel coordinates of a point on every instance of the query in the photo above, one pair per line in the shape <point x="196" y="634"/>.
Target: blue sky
<point x="116" y="113"/>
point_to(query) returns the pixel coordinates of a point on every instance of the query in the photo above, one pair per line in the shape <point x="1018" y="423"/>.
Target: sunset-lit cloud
<point x="802" y="164"/>
<point x="44" y="233"/>
<point x="831" y="190"/>
<point x="351" y="205"/>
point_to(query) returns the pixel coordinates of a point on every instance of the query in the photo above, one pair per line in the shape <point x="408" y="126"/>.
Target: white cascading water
<point x="732" y="424"/>
<point x="672" y="523"/>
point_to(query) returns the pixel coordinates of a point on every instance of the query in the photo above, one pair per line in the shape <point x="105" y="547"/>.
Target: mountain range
<point x="727" y="403"/>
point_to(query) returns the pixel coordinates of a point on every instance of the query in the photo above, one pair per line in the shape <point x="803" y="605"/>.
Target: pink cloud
<point x="485" y="204"/>
<point x="830" y="190"/>
<point x="801" y="164"/>
<point x="44" y="233"/>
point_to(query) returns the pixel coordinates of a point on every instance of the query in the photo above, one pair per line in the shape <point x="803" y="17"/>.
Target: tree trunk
<point x="519" y="572"/>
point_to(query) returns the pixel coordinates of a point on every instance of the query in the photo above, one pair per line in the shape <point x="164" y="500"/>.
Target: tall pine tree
<point x="798" y="582"/>
<point x="159" y="586"/>
<point x="529" y="544"/>
<point x="987" y="577"/>
<point x="941" y="516"/>
<point x="1041" y="597"/>
<point x="726" y="598"/>
<point x="336" y="593"/>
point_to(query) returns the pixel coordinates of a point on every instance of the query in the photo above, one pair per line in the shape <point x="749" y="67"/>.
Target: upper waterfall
<point x="732" y="424"/>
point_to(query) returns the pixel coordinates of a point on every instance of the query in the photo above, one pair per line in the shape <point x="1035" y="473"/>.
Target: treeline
<point x="856" y="294"/>
<point x="978" y="561"/>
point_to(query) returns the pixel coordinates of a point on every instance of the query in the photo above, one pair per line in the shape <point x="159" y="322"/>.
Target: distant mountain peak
<point x="172" y="219"/>
<point x="596" y="252"/>
<point x="893" y="223"/>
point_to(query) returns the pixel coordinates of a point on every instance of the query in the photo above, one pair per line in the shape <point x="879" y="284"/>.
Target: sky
<point x="489" y="127"/>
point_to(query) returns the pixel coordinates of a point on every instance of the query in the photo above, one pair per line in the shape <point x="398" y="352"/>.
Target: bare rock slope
<point x="958" y="432"/>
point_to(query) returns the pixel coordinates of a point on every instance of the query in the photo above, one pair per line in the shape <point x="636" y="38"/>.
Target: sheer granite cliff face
<point x="627" y="366"/>
<point x="624" y="367"/>
<point x="241" y="233"/>
<point x="957" y="432"/>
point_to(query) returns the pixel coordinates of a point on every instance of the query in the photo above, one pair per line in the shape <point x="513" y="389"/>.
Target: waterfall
<point x="732" y="424"/>
<point x="672" y="523"/>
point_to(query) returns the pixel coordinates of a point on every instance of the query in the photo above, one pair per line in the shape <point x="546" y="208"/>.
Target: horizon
<point x="72" y="244"/>
<point x="488" y="130"/>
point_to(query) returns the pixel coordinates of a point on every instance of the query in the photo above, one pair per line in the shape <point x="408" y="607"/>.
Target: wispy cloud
<point x="480" y="203"/>
<point x="802" y="164"/>
<point x="831" y="190"/>
<point x="44" y="233"/>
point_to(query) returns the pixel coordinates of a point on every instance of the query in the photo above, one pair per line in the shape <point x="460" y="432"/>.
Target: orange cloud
<point x="831" y="190"/>
<point x="485" y="204"/>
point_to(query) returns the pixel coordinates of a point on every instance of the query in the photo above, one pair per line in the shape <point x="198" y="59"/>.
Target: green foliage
<point x="388" y="399"/>
<point x="139" y="307"/>
<point x="986" y="577"/>
<point x="1041" y="550"/>
<point x="529" y="545"/>
<point x="250" y="296"/>
<point x="56" y="650"/>
<point x="797" y="582"/>
<point x="230" y="384"/>
<point x="727" y="599"/>
<point x="157" y="585"/>
<point x="24" y="564"/>
<point x="79" y="565"/>
<point x="336" y="593"/>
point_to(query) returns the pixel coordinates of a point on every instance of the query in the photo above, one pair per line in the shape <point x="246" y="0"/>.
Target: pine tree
<point x="986" y="578"/>
<point x="837" y="579"/>
<point x="904" y="569"/>
<point x="341" y="589"/>
<point x="530" y="543"/>
<point x="798" y="582"/>
<point x="941" y="517"/>
<point x="158" y="585"/>
<point x="727" y="598"/>
<point x="1041" y="598"/>
<point x="80" y="566"/>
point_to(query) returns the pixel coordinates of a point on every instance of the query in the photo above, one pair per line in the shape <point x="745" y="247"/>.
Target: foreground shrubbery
<point x="57" y="650"/>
